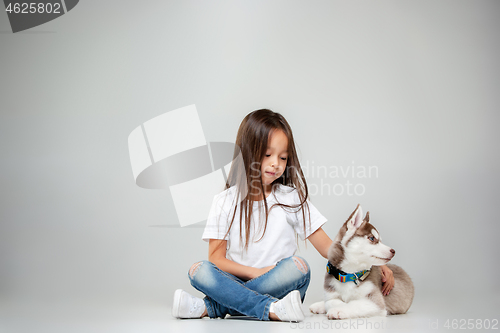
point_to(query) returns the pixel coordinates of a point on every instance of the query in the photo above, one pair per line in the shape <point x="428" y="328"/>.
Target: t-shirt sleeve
<point x="296" y="219"/>
<point x="217" y="221"/>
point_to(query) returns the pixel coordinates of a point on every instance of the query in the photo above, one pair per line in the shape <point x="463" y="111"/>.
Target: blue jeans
<point x="227" y="294"/>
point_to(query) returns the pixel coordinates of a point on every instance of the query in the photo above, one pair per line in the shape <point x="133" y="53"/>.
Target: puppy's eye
<point x="372" y="239"/>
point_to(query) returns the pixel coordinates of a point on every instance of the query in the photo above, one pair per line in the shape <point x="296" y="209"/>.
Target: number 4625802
<point x="33" y="8"/>
<point x="471" y="324"/>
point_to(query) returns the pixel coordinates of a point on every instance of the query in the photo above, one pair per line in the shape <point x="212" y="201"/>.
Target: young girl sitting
<point x="252" y="228"/>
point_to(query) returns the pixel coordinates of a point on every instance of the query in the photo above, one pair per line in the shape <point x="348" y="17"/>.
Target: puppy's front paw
<point x="318" y="307"/>
<point x="335" y="314"/>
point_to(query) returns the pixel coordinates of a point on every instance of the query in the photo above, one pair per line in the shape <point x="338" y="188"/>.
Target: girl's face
<point x="274" y="162"/>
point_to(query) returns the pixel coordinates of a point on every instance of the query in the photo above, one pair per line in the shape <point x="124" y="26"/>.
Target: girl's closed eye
<point x="282" y="158"/>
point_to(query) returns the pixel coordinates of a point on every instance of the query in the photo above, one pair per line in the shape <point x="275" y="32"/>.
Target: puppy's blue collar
<point x="346" y="277"/>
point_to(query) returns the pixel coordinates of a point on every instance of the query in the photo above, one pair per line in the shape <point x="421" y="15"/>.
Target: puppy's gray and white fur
<point x="357" y="247"/>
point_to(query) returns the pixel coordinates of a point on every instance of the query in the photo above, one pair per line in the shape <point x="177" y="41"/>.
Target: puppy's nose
<point x="393" y="251"/>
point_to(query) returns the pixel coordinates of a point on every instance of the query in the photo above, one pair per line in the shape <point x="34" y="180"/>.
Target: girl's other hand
<point x="387" y="280"/>
<point x="260" y="271"/>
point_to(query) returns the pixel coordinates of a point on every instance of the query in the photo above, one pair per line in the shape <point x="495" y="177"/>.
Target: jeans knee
<point x="301" y="264"/>
<point x="202" y="275"/>
<point x="194" y="269"/>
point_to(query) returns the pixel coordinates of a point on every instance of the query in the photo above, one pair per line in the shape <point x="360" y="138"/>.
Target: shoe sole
<point x="295" y="313"/>
<point x="177" y="303"/>
<point x="297" y="306"/>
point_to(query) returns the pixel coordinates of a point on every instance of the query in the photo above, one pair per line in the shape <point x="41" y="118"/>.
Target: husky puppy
<point x="353" y="280"/>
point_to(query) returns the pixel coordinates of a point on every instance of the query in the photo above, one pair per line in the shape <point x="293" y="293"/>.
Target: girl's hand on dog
<point x="387" y="279"/>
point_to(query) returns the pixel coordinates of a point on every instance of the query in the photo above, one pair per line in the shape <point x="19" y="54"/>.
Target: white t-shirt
<point x="278" y="241"/>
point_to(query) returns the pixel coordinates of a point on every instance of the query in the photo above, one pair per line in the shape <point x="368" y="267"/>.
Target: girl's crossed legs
<point x="227" y="294"/>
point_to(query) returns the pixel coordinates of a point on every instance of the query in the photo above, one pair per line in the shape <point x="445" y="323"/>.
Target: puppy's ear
<point x="355" y="219"/>
<point x="367" y="217"/>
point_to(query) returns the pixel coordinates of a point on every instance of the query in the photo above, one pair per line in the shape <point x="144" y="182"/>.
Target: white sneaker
<point x="289" y="308"/>
<point x="187" y="306"/>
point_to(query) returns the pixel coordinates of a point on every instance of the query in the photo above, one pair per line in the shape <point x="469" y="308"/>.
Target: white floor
<point x="428" y="314"/>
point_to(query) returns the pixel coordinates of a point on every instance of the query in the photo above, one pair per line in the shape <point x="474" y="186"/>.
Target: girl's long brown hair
<point x="245" y="172"/>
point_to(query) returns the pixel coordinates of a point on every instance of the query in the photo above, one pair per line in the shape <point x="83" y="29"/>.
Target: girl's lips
<point x="271" y="173"/>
